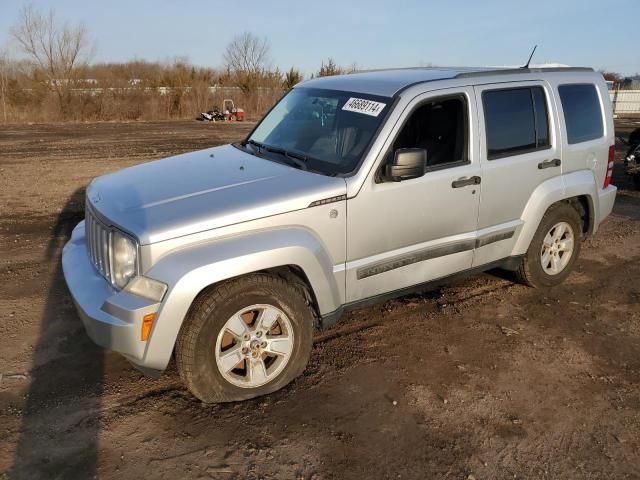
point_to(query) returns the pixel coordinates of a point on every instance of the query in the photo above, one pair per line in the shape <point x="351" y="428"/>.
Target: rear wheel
<point x="554" y="248"/>
<point x="245" y="338"/>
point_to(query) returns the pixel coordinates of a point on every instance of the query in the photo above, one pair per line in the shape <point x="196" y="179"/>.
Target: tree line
<point x="54" y="79"/>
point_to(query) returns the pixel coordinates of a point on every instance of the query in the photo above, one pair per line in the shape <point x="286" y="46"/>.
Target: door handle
<point x="556" y="162"/>
<point x="465" y="182"/>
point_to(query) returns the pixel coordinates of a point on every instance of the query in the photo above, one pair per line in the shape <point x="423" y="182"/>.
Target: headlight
<point x="124" y="261"/>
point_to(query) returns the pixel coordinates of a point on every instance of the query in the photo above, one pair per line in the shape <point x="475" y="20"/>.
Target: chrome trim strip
<point x="494" y="237"/>
<point x="415" y="257"/>
<point x="324" y="201"/>
<point x="431" y="253"/>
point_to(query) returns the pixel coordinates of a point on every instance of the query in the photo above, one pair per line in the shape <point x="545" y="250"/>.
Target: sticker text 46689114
<point x="361" y="105"/>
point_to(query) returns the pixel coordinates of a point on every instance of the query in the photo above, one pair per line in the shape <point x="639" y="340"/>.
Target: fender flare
<point x="190" y="270"/>
<point x="556" y="189"/>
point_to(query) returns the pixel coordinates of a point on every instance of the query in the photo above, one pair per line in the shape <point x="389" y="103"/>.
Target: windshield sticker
<point x="360" y="105"/>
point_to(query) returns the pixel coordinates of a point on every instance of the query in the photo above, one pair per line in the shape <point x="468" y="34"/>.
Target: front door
<point x="405" y="233"/>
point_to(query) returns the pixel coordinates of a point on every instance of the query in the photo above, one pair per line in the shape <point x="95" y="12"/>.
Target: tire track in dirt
<point x="554" y="393"/>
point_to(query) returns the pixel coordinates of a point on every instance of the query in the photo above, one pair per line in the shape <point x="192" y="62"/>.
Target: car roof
<point x="387" y="83"/>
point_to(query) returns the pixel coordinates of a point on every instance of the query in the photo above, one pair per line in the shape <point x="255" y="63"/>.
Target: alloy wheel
<point x="254" y="346"/>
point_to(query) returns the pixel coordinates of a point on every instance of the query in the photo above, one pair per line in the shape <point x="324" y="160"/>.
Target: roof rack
<point x="498" y="71"/>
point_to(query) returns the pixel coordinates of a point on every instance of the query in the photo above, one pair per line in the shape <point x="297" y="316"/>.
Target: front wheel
<point x="245" y="338"/>
<point x="554" y="248"/>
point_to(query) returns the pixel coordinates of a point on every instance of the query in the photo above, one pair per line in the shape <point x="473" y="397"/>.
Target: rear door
<point x="519" y="150"/>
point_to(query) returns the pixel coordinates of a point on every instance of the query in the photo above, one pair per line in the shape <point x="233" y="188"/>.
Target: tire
<point x="199" y="349"/>
<point x="531" y="271"/>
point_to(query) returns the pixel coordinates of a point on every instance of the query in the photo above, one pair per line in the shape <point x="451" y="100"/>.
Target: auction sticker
<point x="361" y="105"/>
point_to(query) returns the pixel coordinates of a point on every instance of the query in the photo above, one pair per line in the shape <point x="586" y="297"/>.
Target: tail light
<point x="612" y="157"/>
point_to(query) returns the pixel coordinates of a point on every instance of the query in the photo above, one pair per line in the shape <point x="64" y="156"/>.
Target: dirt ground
<point x="492" y="379"/>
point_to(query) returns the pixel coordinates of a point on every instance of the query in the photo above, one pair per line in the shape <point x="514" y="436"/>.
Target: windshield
<point x="327" y="130"/>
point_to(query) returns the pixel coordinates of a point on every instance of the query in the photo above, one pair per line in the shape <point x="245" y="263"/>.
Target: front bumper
<point x="112" y="318"/>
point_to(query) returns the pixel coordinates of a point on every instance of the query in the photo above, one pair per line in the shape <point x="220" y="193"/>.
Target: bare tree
<point x="57" y="49"/>
<point x="247" y="53"/>
<point x="4" y="83"/>
<point x="246" y="58"/>
<point x="615" y="77"/>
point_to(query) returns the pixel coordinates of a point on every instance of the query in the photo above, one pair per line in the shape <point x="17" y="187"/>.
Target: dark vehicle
<point x="632" y="158"/>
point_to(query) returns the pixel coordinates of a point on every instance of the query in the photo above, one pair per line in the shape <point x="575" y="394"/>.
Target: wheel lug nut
<point x="245" y="350"/>
<point x="246" y="336"/>
<point x="258" y="334"/>
<point x="254" y="354"/>
<point x="263" y="344"/>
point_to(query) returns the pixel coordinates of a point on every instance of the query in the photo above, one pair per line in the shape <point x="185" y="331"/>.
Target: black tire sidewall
<point x="207" y="381"/>
<point x="561" y="213"/>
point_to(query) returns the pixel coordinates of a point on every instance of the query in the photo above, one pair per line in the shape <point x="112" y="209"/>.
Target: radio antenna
<point x="530" y="57"/>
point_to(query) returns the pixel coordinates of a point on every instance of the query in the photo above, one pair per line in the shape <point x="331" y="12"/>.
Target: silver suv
<point x="351" y="189"/>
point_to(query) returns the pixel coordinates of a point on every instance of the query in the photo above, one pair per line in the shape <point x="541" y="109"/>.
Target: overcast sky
<point x="371" y="33"/>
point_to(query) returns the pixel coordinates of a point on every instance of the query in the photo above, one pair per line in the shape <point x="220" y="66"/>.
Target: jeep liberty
<point x="352" y="189"/>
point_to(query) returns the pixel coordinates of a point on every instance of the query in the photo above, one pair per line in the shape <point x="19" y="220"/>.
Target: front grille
<point x="98" y="241"/>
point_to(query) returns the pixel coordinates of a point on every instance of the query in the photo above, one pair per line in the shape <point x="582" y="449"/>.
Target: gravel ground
<point x="481" y="379"/>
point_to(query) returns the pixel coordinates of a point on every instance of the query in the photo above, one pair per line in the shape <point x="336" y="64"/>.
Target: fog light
<point x="147" y="288"/>
<point x="147" y="325"/>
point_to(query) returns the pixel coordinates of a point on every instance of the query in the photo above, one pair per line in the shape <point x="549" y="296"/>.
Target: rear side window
<point x="516" y="121"/>
<point x="582" y="112"/>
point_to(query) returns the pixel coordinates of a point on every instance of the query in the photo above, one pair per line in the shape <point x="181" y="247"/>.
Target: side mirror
<point x="407" y="163"/>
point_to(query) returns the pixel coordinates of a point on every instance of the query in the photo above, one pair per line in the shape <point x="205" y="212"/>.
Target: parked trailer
<point x="625" y="102"/>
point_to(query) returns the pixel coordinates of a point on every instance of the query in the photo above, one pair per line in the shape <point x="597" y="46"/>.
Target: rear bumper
<point x="112" y="318"/>
<point x="606" y="199"/>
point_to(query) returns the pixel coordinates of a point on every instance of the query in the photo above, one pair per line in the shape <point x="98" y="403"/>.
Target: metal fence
<point x="625" y="102"/>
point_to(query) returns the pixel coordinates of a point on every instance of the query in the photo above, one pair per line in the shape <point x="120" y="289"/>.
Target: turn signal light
<point x="147" y="325"/>
<point x="612" y="157"/>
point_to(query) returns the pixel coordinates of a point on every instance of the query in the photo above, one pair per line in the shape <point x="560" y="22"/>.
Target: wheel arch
<point x="577" y="189"/>
<point x="290" y="272"/>
<point x="294" y="254"/>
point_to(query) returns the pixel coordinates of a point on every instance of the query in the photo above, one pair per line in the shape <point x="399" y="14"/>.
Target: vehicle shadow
<point x="66" y="378"/>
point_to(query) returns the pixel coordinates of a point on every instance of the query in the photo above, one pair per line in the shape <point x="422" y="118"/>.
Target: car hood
<point x="203" y="190"/>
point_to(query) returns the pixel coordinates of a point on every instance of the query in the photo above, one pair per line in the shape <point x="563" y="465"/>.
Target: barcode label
<point x="360" y="105"/>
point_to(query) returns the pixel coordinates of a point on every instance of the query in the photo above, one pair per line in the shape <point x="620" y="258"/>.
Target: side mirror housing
<point x="407" y="163"/>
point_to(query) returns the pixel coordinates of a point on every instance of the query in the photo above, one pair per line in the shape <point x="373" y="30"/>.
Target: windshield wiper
<point x="294" y="158"/>
<point x="258" y="145"/>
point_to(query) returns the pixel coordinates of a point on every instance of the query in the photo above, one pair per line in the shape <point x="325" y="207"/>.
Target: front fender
<point x="551" y="191"/>
<point x="188" y="271"/>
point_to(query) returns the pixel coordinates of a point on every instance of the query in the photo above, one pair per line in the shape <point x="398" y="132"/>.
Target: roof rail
<point x="509" y="71"/>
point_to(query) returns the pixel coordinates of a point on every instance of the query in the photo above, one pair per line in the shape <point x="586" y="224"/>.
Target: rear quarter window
<point x="582" y="112"/>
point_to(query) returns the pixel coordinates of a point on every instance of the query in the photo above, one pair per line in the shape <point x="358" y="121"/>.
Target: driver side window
<point x="440" y="127"/>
